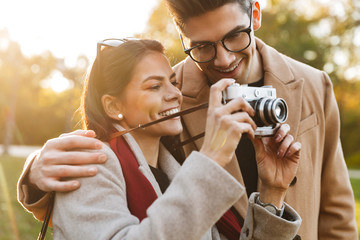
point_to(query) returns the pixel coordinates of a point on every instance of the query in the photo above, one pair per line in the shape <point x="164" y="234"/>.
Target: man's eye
<point x="175" y="83"/>
<point x="204" y="47"/>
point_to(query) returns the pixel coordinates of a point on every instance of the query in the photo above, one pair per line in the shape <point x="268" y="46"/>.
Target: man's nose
<point x="223" y="58"/>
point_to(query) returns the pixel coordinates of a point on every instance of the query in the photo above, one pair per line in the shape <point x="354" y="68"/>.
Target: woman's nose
<point x="173" y="93"/>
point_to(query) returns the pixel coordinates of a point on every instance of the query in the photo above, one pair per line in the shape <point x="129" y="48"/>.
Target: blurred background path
<point x="24" y="151"/>
<point x="19" y="150"/>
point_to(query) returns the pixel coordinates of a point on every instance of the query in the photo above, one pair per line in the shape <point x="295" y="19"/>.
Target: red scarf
<point x="140" y="193"/>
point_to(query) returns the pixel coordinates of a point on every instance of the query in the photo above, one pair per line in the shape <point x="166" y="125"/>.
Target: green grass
<point x="28" y="228"/>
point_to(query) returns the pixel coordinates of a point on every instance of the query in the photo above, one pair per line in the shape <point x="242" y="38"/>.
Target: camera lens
<point x="279" y="110"/>
<point x="269" y="111"/>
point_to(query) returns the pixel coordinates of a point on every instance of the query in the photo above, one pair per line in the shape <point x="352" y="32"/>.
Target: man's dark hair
<point x="182" y="10"/>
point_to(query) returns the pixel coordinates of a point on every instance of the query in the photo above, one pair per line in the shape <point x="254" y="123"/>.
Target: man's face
<point x="212" y="27"/>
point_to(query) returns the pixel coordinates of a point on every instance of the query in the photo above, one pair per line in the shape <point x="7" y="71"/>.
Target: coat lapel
<point x="278" y="74"/>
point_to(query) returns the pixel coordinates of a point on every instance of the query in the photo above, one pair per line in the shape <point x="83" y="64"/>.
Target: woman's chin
<point x="175" y="130"/>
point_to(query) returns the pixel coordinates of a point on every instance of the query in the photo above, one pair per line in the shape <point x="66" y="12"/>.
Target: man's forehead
<point x="213" y="25"/>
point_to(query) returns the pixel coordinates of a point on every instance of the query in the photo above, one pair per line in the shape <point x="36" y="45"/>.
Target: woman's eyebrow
<point x="159" y="78"/>
<point x="172" y="75"/>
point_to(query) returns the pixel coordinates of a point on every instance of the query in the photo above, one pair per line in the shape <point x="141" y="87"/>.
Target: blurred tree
<point x="323" y="34"/>
<point x="40" y="112"/>
<point x="76" y="75"/>
<point x="19" y="86"/>
<point x="161" y="27"/>
<point x="12" y="62"/>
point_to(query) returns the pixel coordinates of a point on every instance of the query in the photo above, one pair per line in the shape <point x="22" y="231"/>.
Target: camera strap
<point x="47" y="218"/>
<point x="181" y="113"/>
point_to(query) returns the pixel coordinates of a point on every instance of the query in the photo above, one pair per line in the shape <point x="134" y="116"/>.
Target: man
<point x="219" y="37"/>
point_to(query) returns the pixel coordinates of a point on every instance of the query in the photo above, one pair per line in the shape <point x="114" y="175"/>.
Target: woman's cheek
<point x="148" y="104"/>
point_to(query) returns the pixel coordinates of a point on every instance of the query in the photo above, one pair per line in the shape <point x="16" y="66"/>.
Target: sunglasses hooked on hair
<point x="109" y="42"/>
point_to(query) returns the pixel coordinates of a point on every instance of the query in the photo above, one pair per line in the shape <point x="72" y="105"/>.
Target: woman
<point x="141" y="192"/>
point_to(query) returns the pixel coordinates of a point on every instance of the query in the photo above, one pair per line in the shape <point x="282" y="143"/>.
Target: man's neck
<point x="257" y="69"/>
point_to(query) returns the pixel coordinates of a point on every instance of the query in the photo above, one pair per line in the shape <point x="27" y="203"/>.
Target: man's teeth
<point x="228" y="70"/>
<point x="169" y="112"/>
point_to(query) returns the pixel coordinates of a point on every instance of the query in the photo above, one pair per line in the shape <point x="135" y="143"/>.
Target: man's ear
<point x="256" y="16"/>
<point x="111" y="106"/>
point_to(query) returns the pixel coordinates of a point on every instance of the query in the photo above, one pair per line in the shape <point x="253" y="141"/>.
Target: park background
<point x="41" y="75"/>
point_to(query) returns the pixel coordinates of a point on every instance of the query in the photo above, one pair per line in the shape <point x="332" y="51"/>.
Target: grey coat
<point x="199" y="193"/>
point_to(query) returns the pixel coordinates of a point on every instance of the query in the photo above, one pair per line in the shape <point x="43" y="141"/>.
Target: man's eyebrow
<point x="235" y="29"/>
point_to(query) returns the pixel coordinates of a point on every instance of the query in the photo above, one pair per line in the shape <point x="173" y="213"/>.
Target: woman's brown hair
<point x="111" y="77"/>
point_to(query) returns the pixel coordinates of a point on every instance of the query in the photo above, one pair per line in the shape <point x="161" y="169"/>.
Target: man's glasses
<point x="235" y="41"/>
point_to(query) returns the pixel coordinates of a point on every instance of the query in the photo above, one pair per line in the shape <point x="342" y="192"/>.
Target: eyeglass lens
<point x="235" y="42"/>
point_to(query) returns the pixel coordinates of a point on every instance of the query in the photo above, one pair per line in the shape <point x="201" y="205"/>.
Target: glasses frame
<point x="246" y="30"/>
<point x="103" y="43"/>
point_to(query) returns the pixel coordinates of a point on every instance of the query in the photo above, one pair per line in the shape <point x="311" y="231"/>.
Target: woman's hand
<point x="277" y="160"/>
<point x="226" y="124"/>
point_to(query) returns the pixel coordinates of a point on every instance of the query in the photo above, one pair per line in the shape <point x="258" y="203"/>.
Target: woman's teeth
<point x="169" y="112"/>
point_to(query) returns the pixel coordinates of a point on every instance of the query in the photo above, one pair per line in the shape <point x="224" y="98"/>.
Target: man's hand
<point x="277" y="159"/>
<point x="59" y="159"/>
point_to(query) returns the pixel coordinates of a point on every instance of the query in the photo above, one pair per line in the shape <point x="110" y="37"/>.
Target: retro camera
<point x="269" y="110"/>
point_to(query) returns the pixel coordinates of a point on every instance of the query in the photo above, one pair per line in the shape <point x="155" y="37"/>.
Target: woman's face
<point x="151" y="94"/>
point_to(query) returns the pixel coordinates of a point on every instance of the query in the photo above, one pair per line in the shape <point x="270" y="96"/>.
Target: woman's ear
<point x="111" y="106"/>
<point x="256" y="16"/>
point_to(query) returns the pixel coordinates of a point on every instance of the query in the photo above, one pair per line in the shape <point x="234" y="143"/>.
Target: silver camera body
<point x="270" y="111"/>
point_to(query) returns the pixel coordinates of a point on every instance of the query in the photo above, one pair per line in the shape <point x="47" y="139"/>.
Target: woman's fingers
<point x="216" y="91"/>
<point x="239" y="104"/>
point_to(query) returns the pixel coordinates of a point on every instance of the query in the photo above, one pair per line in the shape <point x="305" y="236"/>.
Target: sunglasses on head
<point x="110" y="42"/>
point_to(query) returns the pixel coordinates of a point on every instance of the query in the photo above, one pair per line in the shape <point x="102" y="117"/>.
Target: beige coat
<point x="322" y="194"/>
<point x="187" y="210"/>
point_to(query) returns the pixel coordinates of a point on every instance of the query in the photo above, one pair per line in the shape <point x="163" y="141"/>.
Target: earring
<point x="120" y="116"/>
